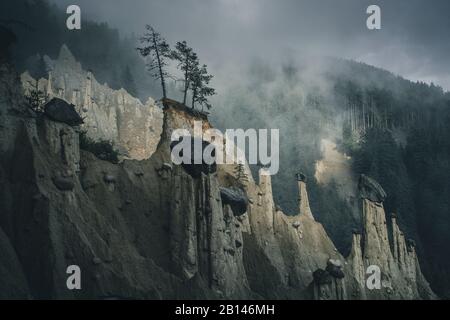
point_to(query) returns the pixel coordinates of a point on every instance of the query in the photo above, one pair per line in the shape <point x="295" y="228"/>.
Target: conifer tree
<point x="187" y="62"/>
<point x="36" y="98"/>
<point x="200" y="89"/>
<point x="240" y="174"/>
<point x="157" y="51"/>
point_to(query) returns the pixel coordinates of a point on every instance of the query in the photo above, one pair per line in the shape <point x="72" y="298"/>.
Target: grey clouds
<point x="414" y="41"/>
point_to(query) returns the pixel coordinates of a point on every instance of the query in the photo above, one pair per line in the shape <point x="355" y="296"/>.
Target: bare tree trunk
<point x="194" y="93"/>
<point x="186" y="82"/>
<point x="163" y="83"/>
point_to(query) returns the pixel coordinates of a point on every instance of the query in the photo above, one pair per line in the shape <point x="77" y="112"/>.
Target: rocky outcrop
<point x="357" y="267"/>
<point x="288" y="248"/>
<point x="46" y="226"/>
<point x="204" y="235"/>
<point x="399" y="278"/>
<point x="303" y="201"/>
<point x="110" y="115"/>
<point x="236" y="199"/>
<point x="149" y="229"/>
<point x="370" y="189"/>
<point x="60" y="111"/>
<point x="326" y="286"/>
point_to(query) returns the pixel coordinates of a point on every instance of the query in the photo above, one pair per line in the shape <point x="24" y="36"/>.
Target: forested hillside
<point x="39" y="27"/>
<point x="401" y="137"/>
<point x="392" y="129"/>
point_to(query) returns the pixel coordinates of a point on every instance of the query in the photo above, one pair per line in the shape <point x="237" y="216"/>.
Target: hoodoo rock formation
<point x="145" y="228"/>
<point x="401" y="277"/>
<point x="111" y="115"/>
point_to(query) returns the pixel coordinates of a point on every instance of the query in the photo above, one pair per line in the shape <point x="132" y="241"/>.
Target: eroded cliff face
<point x="400" y="276"/>
<point x="148" y="229"/>
<point x="112" y="115"/>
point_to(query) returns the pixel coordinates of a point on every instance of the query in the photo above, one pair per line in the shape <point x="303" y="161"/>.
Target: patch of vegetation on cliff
<point x="102" y="149"/>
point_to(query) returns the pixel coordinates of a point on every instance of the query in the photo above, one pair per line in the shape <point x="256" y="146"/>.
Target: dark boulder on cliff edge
<point x="236" y="198"/>
<point x="371" y="189"/>
<point x="60" y="111"/>
<point x="194" y="162"/>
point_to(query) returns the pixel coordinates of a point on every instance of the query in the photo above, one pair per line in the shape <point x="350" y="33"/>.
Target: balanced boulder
<point x="370" y="189"/>
<point x="191" y="150"/>
<point x="235" y="198"/>
<point x="334" y="267"/>
<point x="60" y="111"/>
<point x="64" y="183"/>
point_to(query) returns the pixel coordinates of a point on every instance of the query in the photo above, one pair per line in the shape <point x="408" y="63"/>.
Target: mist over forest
<point x="382" y="125"/>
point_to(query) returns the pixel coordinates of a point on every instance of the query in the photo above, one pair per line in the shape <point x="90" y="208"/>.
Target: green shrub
<point x="102" y="149"/>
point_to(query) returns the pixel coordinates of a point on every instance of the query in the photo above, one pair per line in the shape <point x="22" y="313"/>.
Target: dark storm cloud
<point x="414" y="40"/>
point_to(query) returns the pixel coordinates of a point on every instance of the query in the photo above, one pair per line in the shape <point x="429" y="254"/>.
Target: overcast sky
<point x="414" y="40"/>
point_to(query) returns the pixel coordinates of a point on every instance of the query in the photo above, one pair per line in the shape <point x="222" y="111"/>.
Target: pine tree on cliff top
<point x="187" y="62"/>
<point x="157" y="52"/>
<point x="36" y="98"/>
<point x="240" y="174"/>
<point x="199" y="85"/>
